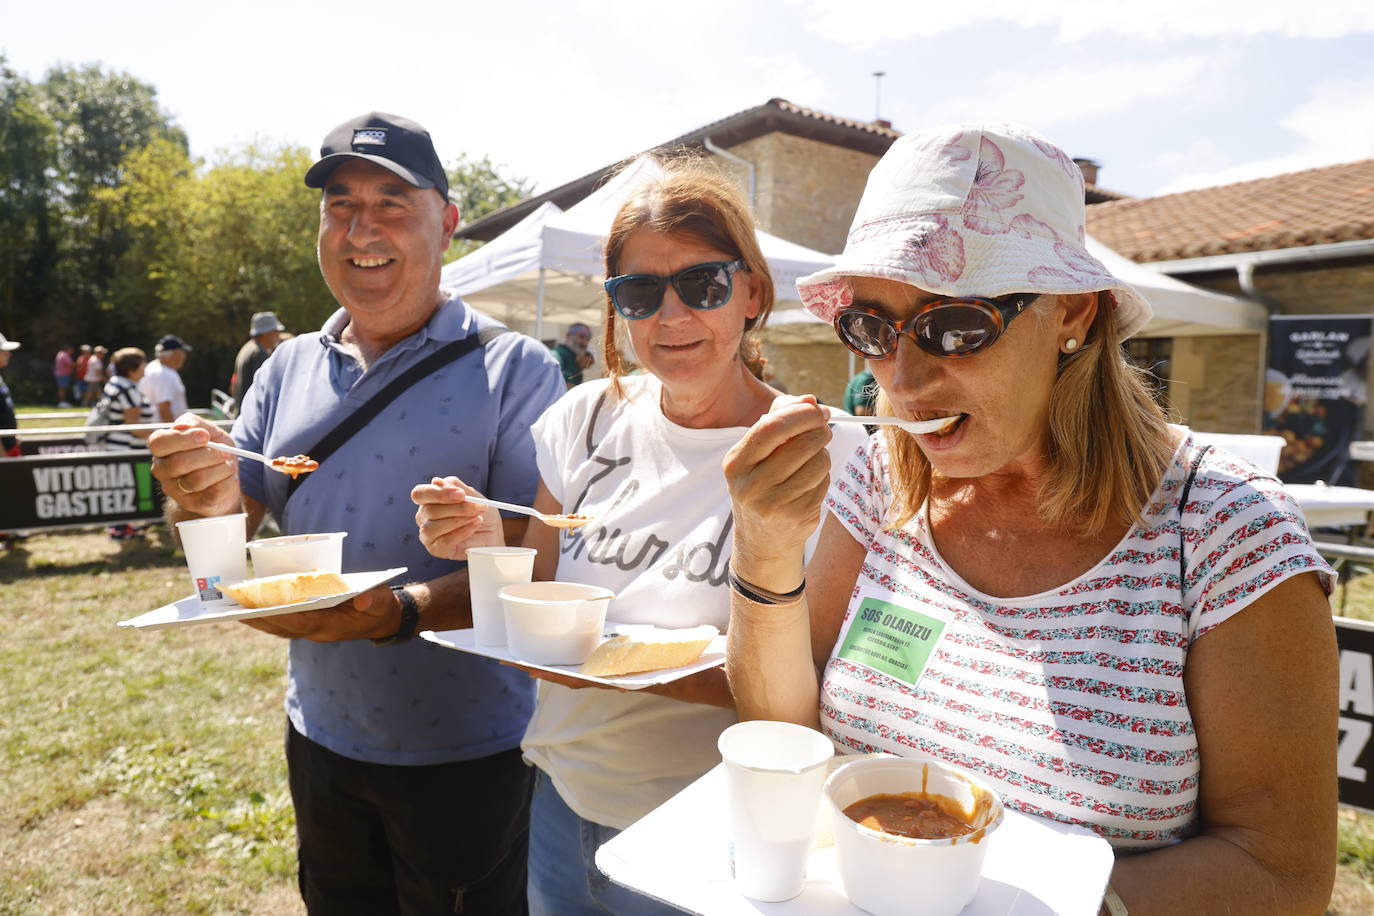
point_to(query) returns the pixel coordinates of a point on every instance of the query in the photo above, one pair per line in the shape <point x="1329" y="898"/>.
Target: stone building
<point x="805" y="171"/>
<point x="1300" y="243"/>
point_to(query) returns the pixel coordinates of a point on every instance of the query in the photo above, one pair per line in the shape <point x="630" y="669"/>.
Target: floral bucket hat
<point x="982" y="209"/>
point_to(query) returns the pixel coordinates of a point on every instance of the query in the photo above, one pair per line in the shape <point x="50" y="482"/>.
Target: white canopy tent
<point x="546" y="270"/>
<point x="1182" y="309"/>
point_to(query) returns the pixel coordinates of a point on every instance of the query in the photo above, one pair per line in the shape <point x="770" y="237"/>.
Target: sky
<point x="1167" y="95"/>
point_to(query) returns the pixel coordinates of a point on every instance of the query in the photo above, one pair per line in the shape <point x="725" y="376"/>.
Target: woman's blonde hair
<point x="691" y="199"/>
<point x="1109" y="441"/>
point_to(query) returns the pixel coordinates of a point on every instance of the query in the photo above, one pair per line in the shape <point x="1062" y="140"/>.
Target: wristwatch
<point x="410" y="618"/>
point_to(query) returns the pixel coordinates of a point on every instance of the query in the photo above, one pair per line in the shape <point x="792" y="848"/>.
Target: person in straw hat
<point x="1112" y="625"/>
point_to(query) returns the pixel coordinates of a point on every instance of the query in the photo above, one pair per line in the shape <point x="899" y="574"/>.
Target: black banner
<point x="76" y="490"/>
<point x="57" y="445"/>
<point x="1314" y="393"/>
<point x="1355" y="754"/>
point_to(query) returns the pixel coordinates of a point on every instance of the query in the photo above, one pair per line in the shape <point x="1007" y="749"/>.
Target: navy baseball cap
<point x="397" y="144"/>
<point x="172" y="342"/>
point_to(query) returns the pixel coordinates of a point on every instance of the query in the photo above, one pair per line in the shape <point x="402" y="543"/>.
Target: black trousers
<point x="376" y="839"/>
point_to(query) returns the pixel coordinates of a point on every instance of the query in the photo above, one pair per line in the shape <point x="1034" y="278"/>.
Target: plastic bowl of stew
<point x="296" y="553"/>
<point x="888" y="873"/>
<point x="554" y="623"/>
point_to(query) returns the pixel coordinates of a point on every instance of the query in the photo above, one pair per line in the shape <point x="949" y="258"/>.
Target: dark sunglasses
<point x="701" y="286"/>
<point x="944" y="327"/>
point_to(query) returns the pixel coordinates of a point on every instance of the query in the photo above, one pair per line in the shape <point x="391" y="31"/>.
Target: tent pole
<point x="539" y="308"/>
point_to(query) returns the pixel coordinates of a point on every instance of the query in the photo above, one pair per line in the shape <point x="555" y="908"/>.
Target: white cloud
<point x="789" y="77"/>
<point x="1074" y="91"/>
<point x="861" y="24"/>
<point x="1201" y="155"/>
<point x="1331" y="126"/>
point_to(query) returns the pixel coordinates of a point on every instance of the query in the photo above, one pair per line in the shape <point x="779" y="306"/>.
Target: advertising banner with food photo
<point x="1314" y="393"/>
<point x="78" y="490"/>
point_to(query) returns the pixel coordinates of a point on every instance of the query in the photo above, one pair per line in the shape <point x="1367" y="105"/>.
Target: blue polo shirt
<point x="412" y="703"/>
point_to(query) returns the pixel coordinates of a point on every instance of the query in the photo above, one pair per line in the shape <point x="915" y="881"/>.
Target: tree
<point x="27" y="148"/>
<point x="479" y="187"/>
<point x="99" y="120"/>
<point x="215" y="245"/>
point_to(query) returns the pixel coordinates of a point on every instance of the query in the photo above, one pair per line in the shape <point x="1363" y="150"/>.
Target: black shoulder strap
<point x="336" y="437"/>
<point x="1182" y="529"/>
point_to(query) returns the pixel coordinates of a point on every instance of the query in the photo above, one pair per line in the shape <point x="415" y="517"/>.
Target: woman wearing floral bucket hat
<point x="1112" y="625"/>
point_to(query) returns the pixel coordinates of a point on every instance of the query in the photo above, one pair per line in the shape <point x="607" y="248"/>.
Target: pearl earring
<point x="1071" y="344"/>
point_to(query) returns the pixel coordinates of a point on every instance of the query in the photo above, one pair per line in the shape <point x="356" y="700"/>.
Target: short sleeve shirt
<point x="567" y="361"/>
<point x="1070" y="703"/>
<point x="411" y="703"/>
<point x="120" y="394"/>
<point x="660" y="538"/>
<point x="162" y="383"/>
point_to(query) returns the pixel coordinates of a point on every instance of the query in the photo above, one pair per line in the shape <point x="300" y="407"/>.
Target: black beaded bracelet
<point x="760" y="595"/>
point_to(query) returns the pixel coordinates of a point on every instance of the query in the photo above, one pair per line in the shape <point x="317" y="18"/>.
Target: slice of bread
<point x="288" y="588"/>
<point x="648" y="649"/>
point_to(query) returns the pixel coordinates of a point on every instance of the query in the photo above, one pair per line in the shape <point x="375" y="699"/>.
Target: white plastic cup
<point x="775" y="773"/>
<point x="489" y="569"/>
<point x="879" y="869"/>
<point x="215" y="554"/>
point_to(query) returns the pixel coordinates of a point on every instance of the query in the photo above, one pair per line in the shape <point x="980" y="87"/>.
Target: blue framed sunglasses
<point x="702" y="287"/>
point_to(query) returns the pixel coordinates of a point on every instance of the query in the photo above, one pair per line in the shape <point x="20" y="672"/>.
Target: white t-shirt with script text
<point x="661" y="541"/>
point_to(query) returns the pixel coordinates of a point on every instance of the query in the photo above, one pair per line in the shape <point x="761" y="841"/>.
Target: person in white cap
<point x="9" y="445"/>
<point x="264" y="334"/>
<point x="162" y="386"/>
<point x="1112" y="625"/>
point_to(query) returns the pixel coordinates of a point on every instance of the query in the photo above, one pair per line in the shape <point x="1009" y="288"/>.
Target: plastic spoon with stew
<point x="553" y="521"/>
<point x="300" y="464"/>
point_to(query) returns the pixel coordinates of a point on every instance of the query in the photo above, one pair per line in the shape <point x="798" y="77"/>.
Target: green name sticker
<point x="895" y="640"/>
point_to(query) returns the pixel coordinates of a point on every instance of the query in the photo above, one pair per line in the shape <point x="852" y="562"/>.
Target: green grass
<point x="142" y="772"/>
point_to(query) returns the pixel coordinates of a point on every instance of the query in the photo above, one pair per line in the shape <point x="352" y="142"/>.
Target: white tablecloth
<point x="1332" y="507"/>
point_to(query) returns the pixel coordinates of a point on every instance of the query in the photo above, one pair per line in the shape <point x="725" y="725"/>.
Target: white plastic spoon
<point x="553" y="521"/>
<point x="270" y="462"/>
<point x="912" y="426"/>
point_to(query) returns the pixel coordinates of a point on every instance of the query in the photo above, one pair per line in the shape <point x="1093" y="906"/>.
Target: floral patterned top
<point x="1070" y="702"/>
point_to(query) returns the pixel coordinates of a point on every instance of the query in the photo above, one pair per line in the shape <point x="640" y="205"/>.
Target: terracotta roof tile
<point x="775" y="114"/>
<point x="1313" y="207"/>
<point x="873" y="127"/>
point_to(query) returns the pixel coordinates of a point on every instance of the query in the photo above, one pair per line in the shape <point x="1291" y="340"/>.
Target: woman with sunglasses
<point x="641" y="454"/>
<point x="1057" y="590"/>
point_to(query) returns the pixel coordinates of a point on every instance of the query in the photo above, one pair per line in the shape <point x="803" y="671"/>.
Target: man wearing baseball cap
<point x="161" y="385"/>
<point x="264" y="333"/>
<point x="404" y="759"/>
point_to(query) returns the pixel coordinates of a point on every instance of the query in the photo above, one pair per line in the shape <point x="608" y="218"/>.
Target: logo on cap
<point x="370" y="136"/>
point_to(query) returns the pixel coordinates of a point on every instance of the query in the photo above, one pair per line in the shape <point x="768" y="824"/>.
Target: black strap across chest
<point x="351" y="424"/>
<point x="1182" y="529"/>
